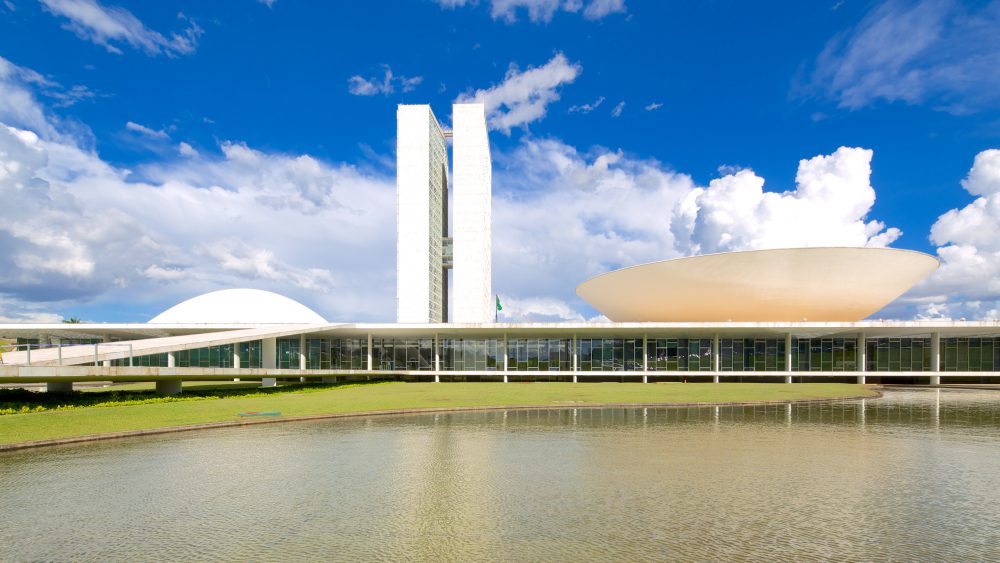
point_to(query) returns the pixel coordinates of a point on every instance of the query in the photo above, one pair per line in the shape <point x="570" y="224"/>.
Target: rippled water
<point x="911" y="476"/>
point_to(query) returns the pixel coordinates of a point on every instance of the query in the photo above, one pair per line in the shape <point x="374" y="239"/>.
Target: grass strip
<point x="317" y="400"/>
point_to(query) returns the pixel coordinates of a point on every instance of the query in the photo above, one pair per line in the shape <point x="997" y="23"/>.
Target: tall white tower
<point x="424" y="248"/>
<point x="472" y="215"/>
<point x="421" y="216"/>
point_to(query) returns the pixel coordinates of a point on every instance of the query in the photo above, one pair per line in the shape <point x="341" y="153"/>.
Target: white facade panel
<point x="421" y="179"/>
<point x="472" y="217"/>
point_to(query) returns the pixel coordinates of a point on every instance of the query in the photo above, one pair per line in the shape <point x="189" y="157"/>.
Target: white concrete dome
<point x="786" y="285"/>
<point x="239" y="306"/>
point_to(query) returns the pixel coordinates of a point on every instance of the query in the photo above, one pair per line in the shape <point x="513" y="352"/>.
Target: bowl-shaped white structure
<point x="794" y="284"/>
<point x="239" y="306"/>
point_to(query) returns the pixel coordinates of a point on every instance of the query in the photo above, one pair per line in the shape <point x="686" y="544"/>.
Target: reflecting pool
<point x="914" y="475"/>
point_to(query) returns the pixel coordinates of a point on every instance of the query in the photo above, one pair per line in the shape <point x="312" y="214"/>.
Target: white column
<point x="370" y="363"/>
<point x="576" y="363"/>
<point x="862" y="358"/>
<point x="716" y="359"/>
<point x="269" y="361"/>
<point x="788" y="356"/>
<point x="171" y="360"/>
<point x="236" y="358"/>
<point x="936" y="357"/>
<point x="302" y="351"/>
<point x="506" y="358"/>
<point x="437" y="358"/>
<point x="645" y="358"/>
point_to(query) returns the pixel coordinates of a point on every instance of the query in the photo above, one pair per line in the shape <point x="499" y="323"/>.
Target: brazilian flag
<point x="499" y="306"/>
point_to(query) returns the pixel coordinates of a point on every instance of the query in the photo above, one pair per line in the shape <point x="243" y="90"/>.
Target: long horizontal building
<point x="296" y="347"/>
<point x="792" y="315"/>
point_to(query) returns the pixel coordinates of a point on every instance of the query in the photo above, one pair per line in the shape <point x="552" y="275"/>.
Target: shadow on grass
<point x="18" y="401"/>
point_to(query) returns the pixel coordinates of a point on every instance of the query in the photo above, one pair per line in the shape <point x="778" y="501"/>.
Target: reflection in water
<point x="908" y="476"/>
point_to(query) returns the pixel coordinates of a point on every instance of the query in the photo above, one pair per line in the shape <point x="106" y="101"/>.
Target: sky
<point x="153" y="151"/>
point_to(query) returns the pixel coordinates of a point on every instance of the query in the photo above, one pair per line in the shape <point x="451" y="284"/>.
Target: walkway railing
<point x="27" y="347"/>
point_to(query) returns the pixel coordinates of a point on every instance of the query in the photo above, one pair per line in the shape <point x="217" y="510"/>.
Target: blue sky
<point x="185" y="147"/>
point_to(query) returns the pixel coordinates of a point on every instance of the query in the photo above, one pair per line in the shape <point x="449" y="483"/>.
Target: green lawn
<point x="361" y="398"/>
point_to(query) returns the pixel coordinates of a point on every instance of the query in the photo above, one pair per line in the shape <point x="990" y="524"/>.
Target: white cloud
<point x="564" y="216"/>
<point x="968" y="282"/>
<point x="158" y="134"/>
<point x="653" y="106"/>
<point x="538" y="309"/>
<point x="111" y="26"/>
<point x="927" y="51"/>
<point x="587" y="108"/>
<point x="542" y="11"/>
<point x="268" y="3"/>
<point x="598" y="9"/>
<point x="524" y="96"/>
<point x="617" y="111"/>
<point x="829" y="207"/>
<point x="360" y="86"/>
<point x="186" y="150"/>
<point x="77" y="231"/>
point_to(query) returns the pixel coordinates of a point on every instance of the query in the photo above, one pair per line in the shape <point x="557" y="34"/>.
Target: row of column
<point x="269" y="357"/>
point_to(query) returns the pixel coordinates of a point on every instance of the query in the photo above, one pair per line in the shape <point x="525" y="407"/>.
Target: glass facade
<point x="679" y="354"/>
<point x="250" y="354"/>
<point x="399" y="354"/>
<point x="467" y="354"/>
<point x="288" y="353"/>
<point x="211" y="357"/>
<point x="539" y="354"/>
<point x="898" y="354"/>
<point x="610" y="354"/>
<point x="342" y="353"/>
<point x="752" y="354"/>
<point x="151" y="360"/>
<point x="970" y="354"/>
<point x="824" y="354"/>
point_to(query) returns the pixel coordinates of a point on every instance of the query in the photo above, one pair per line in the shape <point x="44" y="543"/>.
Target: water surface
<point x="913" y="476"/>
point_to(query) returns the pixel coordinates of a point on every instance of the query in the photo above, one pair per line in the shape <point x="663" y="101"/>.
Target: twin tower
<point x="428" y="242"/>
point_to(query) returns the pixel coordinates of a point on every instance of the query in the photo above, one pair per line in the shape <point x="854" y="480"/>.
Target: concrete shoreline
<point x="388" y="412"/>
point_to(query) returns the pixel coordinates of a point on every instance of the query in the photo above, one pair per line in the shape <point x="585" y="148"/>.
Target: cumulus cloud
<point x="360" y="86"/>
<point x="828" y="207"/>
<point x="928" y="51"/>
<point x="524" y="96"/>
<point x="565" y="216"/>
<point x="79" y="231"/>
<point x="542" y="11"/>
<point x="968" y="282"/>
<point x="111" y="26"/>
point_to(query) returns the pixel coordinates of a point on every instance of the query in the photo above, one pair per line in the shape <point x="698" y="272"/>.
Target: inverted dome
<point x="784" y="285"/>
<point x="239" y="306"/>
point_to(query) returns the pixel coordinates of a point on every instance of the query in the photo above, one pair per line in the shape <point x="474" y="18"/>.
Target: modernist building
<point x="792" y="315"/>
<point x="425" y="247"/>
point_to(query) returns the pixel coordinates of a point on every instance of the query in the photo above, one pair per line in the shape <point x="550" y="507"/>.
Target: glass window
<point x="824" y="354"/>
<point x="898" y="354"/>
<point x="467" y="354"/>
